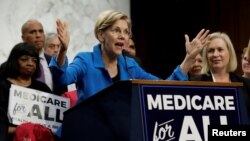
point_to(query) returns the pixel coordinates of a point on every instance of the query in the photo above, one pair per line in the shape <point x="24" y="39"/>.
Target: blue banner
<point x="184" y="112"/>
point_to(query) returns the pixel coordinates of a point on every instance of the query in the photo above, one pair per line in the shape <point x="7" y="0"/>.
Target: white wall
<point x="80" y="15"/>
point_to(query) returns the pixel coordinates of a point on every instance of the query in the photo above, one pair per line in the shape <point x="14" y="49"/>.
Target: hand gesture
<point x="63" y="34"/>
<point x="193" y="48"/>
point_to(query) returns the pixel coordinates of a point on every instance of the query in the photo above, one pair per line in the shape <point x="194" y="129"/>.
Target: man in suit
<point x="52" y="44"/>
<point x="33" y="32"/>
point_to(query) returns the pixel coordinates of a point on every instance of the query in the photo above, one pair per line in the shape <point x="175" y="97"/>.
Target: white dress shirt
<point x="47" y="72"/>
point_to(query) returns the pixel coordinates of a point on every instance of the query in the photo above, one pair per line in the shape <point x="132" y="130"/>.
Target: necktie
<point x="41" y="77"/>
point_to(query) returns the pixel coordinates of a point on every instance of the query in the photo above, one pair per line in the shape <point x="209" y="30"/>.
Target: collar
<point x="41" y="55"/>
<point x="98" y="62"/>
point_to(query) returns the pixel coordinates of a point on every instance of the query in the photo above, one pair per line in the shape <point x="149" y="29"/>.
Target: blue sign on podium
<point x="143" y="110"/>
<point x="184" y="112"/>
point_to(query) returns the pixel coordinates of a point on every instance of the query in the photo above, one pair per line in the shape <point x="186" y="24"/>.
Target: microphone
<point x="124" y="54"/>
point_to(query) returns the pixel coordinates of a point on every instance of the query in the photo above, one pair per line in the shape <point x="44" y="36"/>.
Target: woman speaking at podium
<point x="94" y="71"/>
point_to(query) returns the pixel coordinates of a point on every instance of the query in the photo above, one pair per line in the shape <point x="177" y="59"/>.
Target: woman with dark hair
<point x="22" y="69"/>
<point x="20" y="53"/>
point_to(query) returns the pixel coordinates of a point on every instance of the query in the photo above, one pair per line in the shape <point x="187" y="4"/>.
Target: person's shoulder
<point x="131" y="61"/>
<point x="2" y="66"/>
<point x="239" y="78"/>
<point x="84" y="54"/>
<point x="4" y="84"/>
<point x="202" y="77"/>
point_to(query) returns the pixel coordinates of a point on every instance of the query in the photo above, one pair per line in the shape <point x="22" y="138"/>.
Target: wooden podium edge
<point x="186" y="83"/>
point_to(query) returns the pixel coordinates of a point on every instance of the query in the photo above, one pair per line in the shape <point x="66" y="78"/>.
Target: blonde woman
<point x="220" y="63"/>
<point x="106" y="64"/>
<point x="245" y="63"/>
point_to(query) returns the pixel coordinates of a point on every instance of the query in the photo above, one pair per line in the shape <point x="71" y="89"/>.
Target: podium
<point x="144" y="110"/>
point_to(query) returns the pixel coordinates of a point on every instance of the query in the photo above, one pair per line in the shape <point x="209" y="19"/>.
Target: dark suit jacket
<point x="57" y="90"/>
<point x="234" y="78"/>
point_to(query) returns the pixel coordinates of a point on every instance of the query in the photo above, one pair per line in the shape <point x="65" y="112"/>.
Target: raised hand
<point x="193" y="48"/>
<point x="63" y="33"/>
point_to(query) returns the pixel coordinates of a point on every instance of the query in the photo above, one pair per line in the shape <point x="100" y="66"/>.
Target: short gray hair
<point x="50" y="36"/>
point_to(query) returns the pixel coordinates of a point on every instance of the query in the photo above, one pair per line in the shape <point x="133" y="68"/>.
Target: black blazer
<point x="234" y="78"/>
<point x="57" y="90"/>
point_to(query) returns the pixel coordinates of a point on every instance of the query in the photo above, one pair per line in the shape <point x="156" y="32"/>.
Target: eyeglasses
<point x="117" y="31"/>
